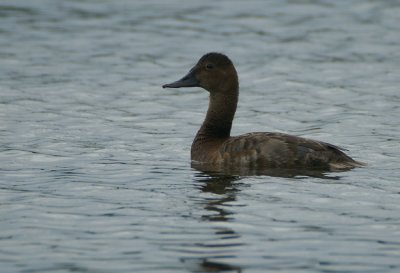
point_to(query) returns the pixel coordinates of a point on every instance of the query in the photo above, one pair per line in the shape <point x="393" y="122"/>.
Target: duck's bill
<point x="188" y="81"/>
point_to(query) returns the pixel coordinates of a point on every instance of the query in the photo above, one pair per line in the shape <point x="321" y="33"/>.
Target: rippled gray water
<point x="95" y="171"/>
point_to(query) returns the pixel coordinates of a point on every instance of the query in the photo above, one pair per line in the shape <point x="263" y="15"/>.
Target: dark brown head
<point x="214" y="72"/>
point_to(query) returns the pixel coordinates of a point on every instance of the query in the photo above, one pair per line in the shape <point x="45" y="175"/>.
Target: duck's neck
<point x="221" y="110"/>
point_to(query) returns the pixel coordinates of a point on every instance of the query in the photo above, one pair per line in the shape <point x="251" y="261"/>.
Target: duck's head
<point x="214" y="72"/>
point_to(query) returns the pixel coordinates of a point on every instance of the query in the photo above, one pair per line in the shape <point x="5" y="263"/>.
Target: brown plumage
<point x="213" y="144"/>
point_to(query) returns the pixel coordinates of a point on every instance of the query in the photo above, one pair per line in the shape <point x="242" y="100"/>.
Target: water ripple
<point x="95" y="174"/>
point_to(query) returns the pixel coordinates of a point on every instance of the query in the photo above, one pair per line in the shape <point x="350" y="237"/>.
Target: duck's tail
<point x="346" y="165"/>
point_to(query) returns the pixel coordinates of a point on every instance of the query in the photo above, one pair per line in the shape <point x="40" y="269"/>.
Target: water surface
<point x="95" y="172"/>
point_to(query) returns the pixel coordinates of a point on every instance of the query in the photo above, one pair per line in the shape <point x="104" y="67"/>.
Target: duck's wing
<point x="285" y="151"/>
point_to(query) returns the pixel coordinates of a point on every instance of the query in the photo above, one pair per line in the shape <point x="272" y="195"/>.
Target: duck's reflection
<point x="224" y="189"/>
<point x="224" y="185"/>
<point x="229" y="171"/>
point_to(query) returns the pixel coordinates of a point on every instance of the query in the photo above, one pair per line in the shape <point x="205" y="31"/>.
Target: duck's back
<point x="276" y="150"/>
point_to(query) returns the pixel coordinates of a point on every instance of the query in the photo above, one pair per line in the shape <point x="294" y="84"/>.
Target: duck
<point x="214" y="145"/>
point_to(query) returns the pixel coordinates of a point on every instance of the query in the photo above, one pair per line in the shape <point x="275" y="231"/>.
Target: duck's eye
<point x="209" y="66"/>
